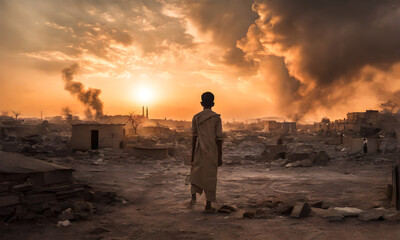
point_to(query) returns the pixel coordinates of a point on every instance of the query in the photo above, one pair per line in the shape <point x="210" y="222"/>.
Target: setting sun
<point x="144" y="94"/>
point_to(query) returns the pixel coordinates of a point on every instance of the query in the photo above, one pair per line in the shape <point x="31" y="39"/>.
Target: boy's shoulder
<point x="206" y="113"/>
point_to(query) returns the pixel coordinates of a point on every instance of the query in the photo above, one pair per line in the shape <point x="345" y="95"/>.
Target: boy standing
<point x="206" y="151"/>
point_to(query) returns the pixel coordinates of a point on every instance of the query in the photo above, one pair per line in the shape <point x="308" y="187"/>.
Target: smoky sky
<point x="327" y="43"/>
<point x="88" y="97"/>
<point x="302" y="55"/>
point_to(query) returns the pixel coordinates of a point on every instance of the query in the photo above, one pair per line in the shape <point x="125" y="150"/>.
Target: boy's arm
<point x="194" y="140"/>
<point x="194" y="137"/>
<point x="219" y="144"/>
<point x="219" y="139"/>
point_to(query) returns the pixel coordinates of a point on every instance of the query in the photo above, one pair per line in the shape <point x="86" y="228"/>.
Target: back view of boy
<point x="206" y="151"/>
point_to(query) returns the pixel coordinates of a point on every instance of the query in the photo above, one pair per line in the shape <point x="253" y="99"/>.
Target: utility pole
<point x="41" y="115"/>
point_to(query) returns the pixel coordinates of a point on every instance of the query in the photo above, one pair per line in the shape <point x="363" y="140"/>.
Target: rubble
<point x="300" y="210"/>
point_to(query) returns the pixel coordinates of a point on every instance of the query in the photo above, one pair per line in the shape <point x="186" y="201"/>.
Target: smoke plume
<point x="90" y="98"/>
<point x="324" y="46"/>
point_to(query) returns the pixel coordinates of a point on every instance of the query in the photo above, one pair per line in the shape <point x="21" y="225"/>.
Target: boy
<point x="206" y="152"/>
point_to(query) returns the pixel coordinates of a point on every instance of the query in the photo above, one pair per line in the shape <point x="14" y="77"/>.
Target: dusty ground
<point x="156" y="194"/>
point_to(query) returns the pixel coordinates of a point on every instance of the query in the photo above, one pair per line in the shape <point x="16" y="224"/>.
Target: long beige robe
<point x="207" y="126"/>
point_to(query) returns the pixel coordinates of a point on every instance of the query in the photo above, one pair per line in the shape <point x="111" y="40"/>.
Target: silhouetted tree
<point x="16" y="114"/>
<point x="135" y="120"/>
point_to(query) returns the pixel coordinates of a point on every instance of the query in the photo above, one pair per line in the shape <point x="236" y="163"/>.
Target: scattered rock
<point x="65" y="223"/>
<point x="284" y="208"/>
<point x="392" y="216"/>
<point x="373" y="214"/>
<point x="348" y="211"/>
<point x="280" y="162"/>
<point x="327" y="214"/>
<point x="227" y="209"/>
<point x="317" y="204"/>
<point x="301" y="210"/>
<point x="257" y="214"/>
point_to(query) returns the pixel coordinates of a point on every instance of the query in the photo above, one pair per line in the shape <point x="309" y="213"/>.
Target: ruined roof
<point x="17" y="163"/>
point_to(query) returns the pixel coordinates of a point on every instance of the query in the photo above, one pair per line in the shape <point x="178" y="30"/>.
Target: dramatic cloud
<point x="325" y="44"/>
<point x="295" y="58"/>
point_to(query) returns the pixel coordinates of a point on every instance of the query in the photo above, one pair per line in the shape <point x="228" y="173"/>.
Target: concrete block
<point x="301" y="210"/>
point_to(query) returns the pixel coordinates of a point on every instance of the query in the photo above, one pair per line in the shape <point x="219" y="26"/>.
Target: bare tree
<point x="16" y="114"/>
<point x="4" y="113"/>
<point x="135" y="120"/>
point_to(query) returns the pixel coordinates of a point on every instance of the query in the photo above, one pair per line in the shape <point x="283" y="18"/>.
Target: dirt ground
<point x="156" y="194"/>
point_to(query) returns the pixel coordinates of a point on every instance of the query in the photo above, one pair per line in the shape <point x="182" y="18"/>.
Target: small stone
<point x="65" y="223"/>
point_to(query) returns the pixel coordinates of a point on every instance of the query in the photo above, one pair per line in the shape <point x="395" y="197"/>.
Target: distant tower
<point x="143" y="111"/>
<point x="147" y="112"/>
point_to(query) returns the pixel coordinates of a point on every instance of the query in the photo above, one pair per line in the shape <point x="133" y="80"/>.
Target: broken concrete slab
<point x="284" y="208"/>
<point x="301" y="210"/>
<point x="348" y="211"/>
<point x="327" y="214"/>
<point x="373" y="214"/>
<point x="16" y="168"/>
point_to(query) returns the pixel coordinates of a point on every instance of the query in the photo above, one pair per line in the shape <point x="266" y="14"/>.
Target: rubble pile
<point x="31" y="189"/>
<point x="272" y="208"/>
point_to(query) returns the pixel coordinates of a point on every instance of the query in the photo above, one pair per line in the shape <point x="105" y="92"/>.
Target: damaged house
<point x="95" y="135"/>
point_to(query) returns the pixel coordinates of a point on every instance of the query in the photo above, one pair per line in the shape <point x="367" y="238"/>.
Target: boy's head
<point x="207" y="100"/>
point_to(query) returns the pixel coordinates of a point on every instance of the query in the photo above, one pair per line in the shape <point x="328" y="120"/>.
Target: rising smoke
<point x="90" y="98"/>
<point x="324" y="46"/>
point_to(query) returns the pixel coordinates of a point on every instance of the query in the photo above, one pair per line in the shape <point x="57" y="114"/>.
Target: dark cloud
<point x="90" y="97"/>
<point x="227" y="21"/>
<point x="326" y="43"/>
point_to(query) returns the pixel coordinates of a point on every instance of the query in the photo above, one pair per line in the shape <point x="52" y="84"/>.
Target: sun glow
<point x="144" y="94"/>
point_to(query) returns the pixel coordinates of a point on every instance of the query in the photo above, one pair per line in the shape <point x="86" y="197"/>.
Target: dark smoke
<point x="326" y="44"/>
<point x="90" y="98"/>
<point x="393" y="104"/>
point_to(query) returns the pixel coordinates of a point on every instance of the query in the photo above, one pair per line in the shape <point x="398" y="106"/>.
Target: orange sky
<point x="175" y="50"/>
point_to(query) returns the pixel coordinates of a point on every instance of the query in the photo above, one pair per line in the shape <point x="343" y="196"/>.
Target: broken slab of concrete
<point x="16" y="168"/>
<point x="327" y="214"/>
<point x="373" y="214"/>
<point x="284" y="208"/>
<point x="301" y="210"/>
<point x="348" y="211"/>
